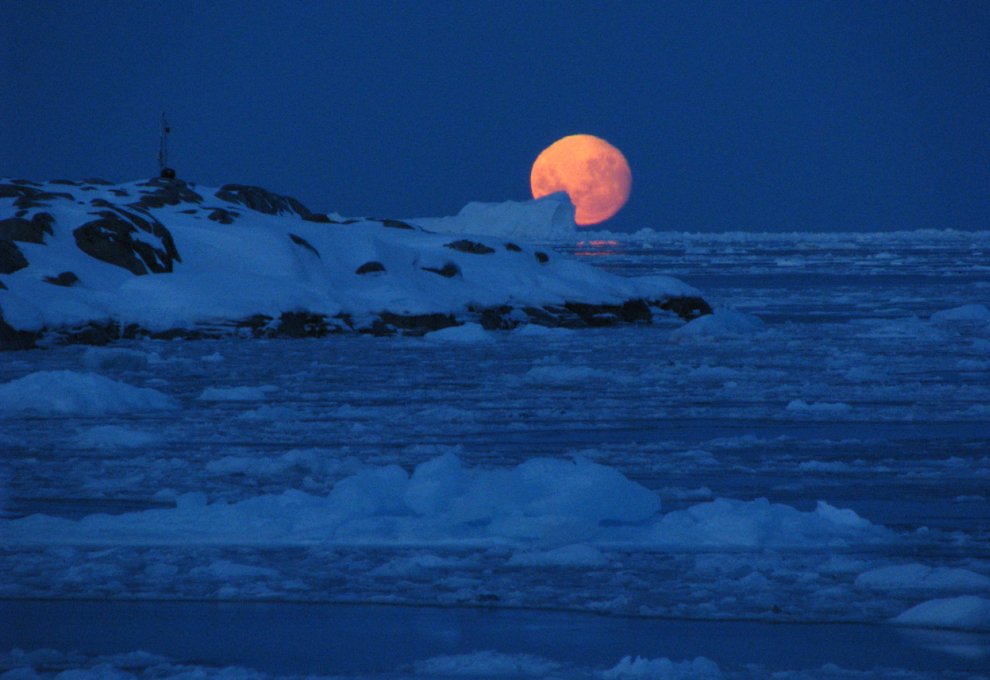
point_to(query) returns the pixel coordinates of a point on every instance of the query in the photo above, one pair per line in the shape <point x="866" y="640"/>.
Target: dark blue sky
<point x="733" y="115"/>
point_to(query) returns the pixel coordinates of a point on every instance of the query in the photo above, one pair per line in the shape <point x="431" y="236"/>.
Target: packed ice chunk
<point x="721" y="322"/>
<point x="466" y="334"/>
<point x="86" y="394"/>
<point x="967" y="612"/>
<point x="971" y="313"/>
<point x="728" y="523"/>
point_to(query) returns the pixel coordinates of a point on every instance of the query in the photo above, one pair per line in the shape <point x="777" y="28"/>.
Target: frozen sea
<point x="796" y="487"/>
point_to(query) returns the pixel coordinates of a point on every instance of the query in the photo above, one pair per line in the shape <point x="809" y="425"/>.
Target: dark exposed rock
<point x="99" y="181"/>
<point x="495" y="318"/>
<point x="513" y="247"/>
<point x="11" y="338"/>
<point x="302" y="325"/>
<point x="65" y="279"/>
<point x="119" y="192"/>
<point x="189" y="211"/>
<point x="687" y="307"/>
<point x="33" y="231"/>
<point x="87" y="188"/>
<point x="27" y="196"/>
<point x="166" y="192"/>
<point x="396" y="224"/>
<point x="299" y="240"/>
<point x="221" y="215"/>
<point x="261" y="200"/>
<point x="635" y="310"/>
<point x="449" y="270"/>
<point x="370" y="268"/>
<point x="3" y="286"/>
<point x="472" y="247"/>
<point x="412" y="324"/>
<point x="318" y="217"/>
<point x="66" y="182"/>
<point x="11" y="257"/>
<point x="111" y="239"/>
<point x="594" y="315"/>
<point x="541" y="257"/>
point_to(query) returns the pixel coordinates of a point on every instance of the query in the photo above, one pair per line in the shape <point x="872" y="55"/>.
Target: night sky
<point x="733" y="115"/>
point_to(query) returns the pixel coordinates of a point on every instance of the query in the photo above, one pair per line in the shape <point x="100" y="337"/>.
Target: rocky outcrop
<point x="111" y="239"/>
<point x="160" y="191"/>
<point x="371" y="267"/>
<point x="473" y="247"/>
<point x="449" y="270"/>
<point x="300" y="241"/>
<point x="65" y="279"/>
<point x="261" y="200"/>
<point x="11" y="257"/>
<point x="27" y="231"/>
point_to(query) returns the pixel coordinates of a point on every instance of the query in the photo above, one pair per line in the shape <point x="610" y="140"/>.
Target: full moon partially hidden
<point x="593" y="173"/>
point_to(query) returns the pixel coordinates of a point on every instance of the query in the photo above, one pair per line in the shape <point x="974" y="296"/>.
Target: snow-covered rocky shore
<point x="91" y="261"/>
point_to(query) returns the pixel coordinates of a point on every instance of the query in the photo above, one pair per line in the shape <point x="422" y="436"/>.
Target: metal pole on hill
<point x="163" y="169"/>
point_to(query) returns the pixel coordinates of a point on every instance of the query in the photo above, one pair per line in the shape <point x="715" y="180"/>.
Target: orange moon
<point x="593" y="173"/>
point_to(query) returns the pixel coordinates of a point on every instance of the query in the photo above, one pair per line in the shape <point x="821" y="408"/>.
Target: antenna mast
<point x="163" y="169"/>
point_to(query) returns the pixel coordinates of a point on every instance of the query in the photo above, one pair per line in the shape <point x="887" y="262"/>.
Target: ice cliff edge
<point x="91" y="261"/>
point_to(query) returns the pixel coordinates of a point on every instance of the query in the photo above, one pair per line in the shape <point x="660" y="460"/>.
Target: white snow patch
<point x="71" y="392"/>
<point x="967" y="612"/>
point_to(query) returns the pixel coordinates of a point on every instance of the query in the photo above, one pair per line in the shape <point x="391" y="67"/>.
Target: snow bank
<point x="722" y="322"/>
<point x="663" y="669"/>
<point x="86" y="394"/>
<point x="968" y="612"/>
<point x="561" y="512"/>
<point x="550" y="218"/>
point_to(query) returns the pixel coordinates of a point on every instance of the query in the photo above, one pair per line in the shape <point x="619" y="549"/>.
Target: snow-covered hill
<point x="92" y="261"/>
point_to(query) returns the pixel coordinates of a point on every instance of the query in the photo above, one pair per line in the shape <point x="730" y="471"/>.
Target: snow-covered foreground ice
<point x="816" y="453"/>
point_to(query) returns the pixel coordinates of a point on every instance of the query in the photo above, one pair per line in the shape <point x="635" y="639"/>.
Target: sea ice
<point x="70" y="392"/>
<point x="966" y="612"/>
